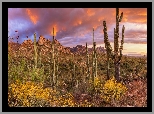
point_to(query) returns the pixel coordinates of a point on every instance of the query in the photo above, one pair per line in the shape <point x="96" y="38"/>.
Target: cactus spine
<point x="116" y="56"/>
<point x="35" y="50"/>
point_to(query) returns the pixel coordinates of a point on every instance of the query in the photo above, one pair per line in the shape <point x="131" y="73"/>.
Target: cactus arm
<point x="106" y="41"/>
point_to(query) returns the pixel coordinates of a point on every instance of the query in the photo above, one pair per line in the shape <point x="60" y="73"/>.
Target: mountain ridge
<point x="44" y="45"/>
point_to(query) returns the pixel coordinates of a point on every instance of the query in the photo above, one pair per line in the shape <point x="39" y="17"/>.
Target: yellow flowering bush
<point x="31" y="94"/>
<point x="28" y="94"/>
<point x="113" y="90"/>
<point x="66" y="100"/>
<point x="97" y="84"/>
<point x="85" y="103"/>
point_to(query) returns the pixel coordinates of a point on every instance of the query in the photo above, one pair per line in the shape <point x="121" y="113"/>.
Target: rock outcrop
<point x="44" y="47"/>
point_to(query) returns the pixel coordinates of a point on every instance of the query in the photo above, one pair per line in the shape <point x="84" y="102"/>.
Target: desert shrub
<point x="16" y="70"/>
<point x="97" y="84"/>
<point x="20" y="69"/>
<point x="30" y="94"/>
<point x="66" y="100"/>
<point x="27" y="94"/>
<point x="36" y="74"/>
<point x="112" y="90"/>
<point x="94" y="87"/>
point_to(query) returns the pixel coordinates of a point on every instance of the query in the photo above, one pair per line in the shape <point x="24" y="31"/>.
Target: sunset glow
<point x="74" y="26"/>
<point x="32" y="16"/>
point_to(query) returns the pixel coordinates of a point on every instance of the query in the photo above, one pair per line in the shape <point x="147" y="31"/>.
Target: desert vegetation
<point x="43" y="73"/>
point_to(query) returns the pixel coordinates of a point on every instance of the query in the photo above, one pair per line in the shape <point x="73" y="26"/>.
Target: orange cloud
<point x="135" y="15"/>
<point x="64" y="28"/>
<point x="77" y="23"/>
<point x="90" y="12"/>
<point x="33" y="17"/>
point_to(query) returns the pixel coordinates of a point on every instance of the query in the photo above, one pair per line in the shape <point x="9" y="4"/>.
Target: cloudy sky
<point x="73" y="26"/>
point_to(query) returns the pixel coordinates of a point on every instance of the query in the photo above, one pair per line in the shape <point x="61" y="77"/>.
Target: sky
<point x="74" y="26"/>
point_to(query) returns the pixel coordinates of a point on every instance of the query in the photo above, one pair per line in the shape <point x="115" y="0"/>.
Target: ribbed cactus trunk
<point x="95" y="61"/>
<point x="108" y="47"/>
<point x="108" y="68"/>
<point x="40" y="54"/>
<point x="88" y="67"/>
<point x="116" y="56"/>
<point x="57" y="72"/>
<point x="53" y="58"/>
<point x="35" y="50"/>
<point x="118" y="50"/>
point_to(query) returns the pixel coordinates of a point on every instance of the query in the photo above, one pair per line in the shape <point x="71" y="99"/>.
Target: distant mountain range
<point x="44" y="45"/>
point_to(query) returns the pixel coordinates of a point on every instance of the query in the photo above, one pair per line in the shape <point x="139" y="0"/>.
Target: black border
<point x="6" y="5"/>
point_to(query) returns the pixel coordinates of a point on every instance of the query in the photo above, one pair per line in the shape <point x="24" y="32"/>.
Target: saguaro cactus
<point x="53" y="59"/>
<point x="93" y="64"/>
<point x="57" y="69"/>
<point x="117" y="54"/>
<point x="94" y="60"/>
<point x="108" y="48"/>
<point x="88" y="67"/>
<point x="40" y="55"/>
<point x="35" y="50"/>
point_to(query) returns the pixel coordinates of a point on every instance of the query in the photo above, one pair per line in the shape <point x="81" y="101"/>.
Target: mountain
<point x="44" y="47"/>
<point x="79" y="49"/>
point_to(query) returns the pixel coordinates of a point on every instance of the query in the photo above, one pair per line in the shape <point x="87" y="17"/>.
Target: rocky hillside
<point x="43" y="45"/>
<point x="45" y="48"/>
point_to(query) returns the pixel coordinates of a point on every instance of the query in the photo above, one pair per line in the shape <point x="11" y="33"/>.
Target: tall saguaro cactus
<point x="108" y="48"/>
<point x="94" y="61"/>
<point x="88" y="67"/>
<point x="35" y="50"/>
<point x="53" y="59"/>
<point x="117" y="54"/>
